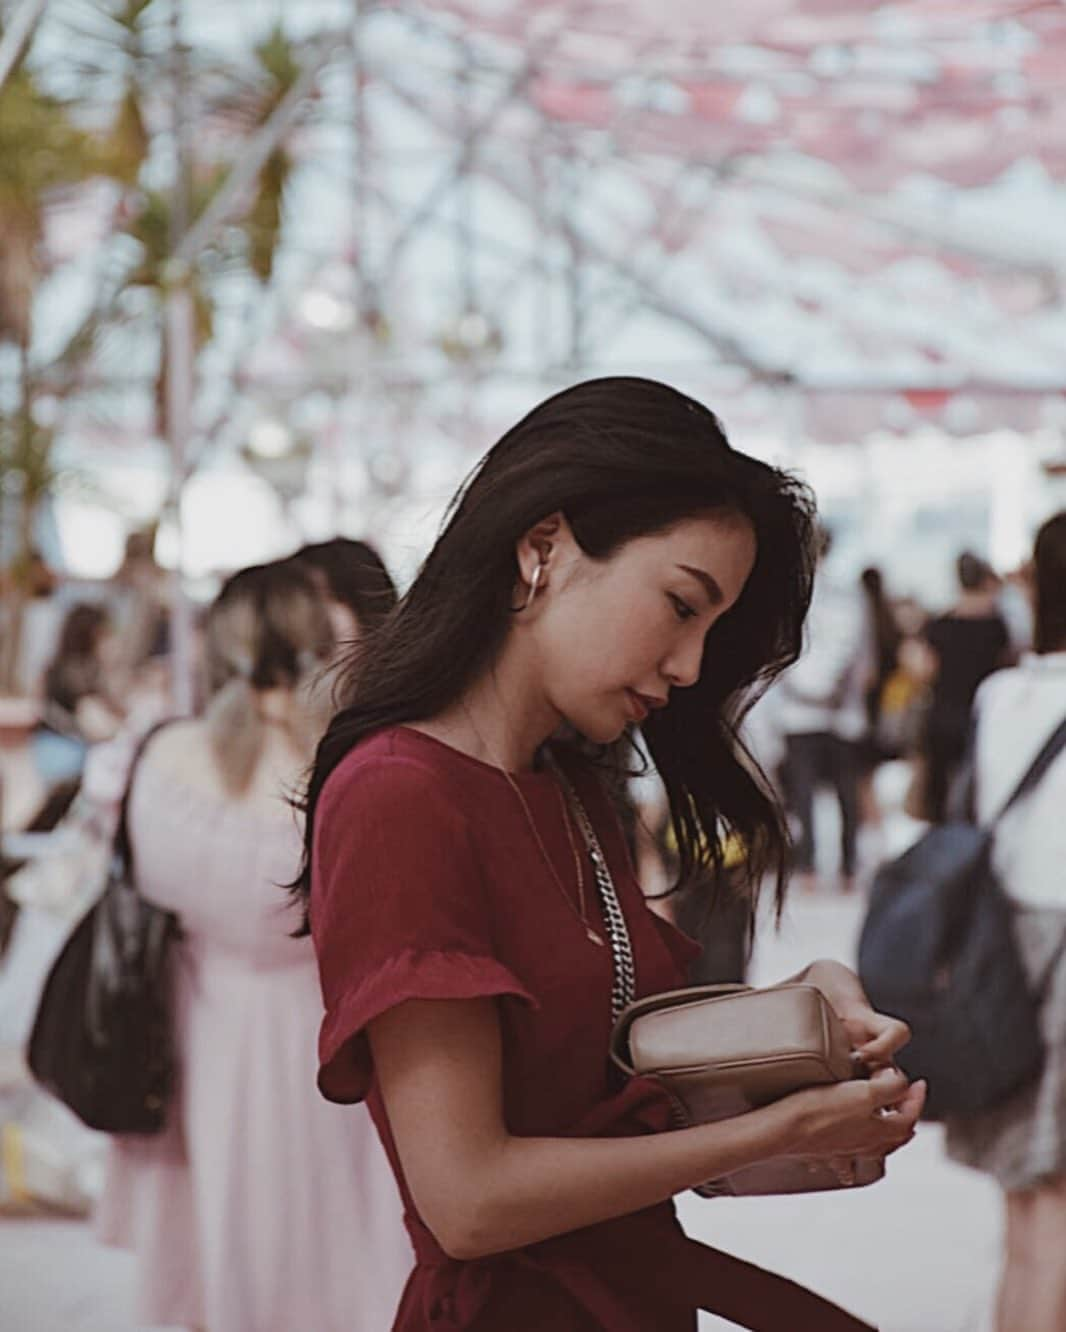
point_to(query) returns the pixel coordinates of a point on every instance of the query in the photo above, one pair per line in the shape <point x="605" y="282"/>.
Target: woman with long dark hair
<point x="612" y="564"/>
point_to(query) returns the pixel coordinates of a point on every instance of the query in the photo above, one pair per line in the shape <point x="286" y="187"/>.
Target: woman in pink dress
<point x="260" y="1208"/>
<point x="612" y="564"/>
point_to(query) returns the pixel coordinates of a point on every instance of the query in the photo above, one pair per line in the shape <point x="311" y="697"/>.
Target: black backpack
<point x="938" y="950"/>
<point x="101" y="1040"/>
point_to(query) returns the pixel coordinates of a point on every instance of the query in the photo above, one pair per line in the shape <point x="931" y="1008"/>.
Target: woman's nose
<point x="682" y="667"/>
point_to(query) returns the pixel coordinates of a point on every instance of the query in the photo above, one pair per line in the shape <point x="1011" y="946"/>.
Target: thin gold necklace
<point x="590" y="933"/>
<point x="578" y="871"/>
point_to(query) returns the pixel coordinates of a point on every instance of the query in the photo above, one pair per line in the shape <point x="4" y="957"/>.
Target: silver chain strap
<point x="624" y="986"/>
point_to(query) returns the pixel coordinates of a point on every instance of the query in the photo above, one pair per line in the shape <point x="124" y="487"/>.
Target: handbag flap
<point x="736" y="1026"/>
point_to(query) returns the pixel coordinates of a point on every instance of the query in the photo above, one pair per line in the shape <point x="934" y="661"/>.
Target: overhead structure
<point x="861" y="207"/>
<point x="847" y="217"/>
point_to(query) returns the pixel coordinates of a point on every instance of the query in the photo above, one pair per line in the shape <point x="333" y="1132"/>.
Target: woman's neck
<point x="276" y="707"/>
<point x="287" y="723"/>
<point x="503" y="718"/>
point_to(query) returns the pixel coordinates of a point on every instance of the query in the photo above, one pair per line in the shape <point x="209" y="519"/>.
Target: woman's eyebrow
<point x="710" y="586"/>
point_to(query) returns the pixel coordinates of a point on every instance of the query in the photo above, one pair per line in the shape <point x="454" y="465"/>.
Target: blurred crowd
<point x="883" y="678"/>
<point x="94" y="659"/>
<point x="220" y="1241"/>
<point x="875" y="720"/>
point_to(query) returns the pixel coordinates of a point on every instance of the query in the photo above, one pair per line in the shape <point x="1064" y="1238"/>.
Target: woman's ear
<point x="541" y="546"/>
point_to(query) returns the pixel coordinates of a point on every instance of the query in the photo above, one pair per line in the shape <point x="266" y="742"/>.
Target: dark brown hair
<point x="266" y="629"/>
<point x="355" y="575"/>
<point x="1049" y="585"/>
<point x="621" y="458"/>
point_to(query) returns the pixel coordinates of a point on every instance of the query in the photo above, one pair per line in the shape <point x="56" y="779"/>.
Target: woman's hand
<point x="874" y="1036"/>
<point x="871" y="1118"/>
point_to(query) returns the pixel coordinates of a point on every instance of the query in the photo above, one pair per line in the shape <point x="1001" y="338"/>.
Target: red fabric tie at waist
<point x="687" y="1274"/>
<point x="605" y="1266"/>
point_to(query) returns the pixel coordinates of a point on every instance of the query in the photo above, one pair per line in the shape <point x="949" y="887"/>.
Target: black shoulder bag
<point x="938" y="950"/>
<point x="101" y="1040"/>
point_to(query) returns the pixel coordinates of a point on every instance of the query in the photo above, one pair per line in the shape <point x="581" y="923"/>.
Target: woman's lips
<point x="638" y="706"/>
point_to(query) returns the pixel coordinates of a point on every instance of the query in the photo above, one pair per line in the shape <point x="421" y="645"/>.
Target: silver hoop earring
<point x="533" y="586"/>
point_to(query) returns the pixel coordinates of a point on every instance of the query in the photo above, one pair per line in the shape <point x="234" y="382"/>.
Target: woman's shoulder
<point x="396" y="769"/>
<point x="178" y="766"/>
<point x="178" y="748"/>
<point x="393" y="810"/>
<point x="1036" y="684"/>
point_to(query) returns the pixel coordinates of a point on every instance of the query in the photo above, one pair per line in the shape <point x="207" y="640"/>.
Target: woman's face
<point x="614" y="637"/>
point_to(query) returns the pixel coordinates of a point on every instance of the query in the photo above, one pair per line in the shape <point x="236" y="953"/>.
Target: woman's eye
<point x="681" y="608"/>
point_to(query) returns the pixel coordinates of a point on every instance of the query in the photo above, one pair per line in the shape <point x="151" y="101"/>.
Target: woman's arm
<point x="482" y="1190"/>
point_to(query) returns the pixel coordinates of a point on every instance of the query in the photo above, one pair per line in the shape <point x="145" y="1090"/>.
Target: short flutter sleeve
<point x="399" y="909"/>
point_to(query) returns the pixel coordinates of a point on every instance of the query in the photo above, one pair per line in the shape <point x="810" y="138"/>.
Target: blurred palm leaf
<point x="279" y="69"/>
<point x="278" y="60"/>
<point x="263" y="224"/>
<point x="152" y="229"/>
<point x="26" y="459"/>
<point x="41" y="151"/>
<point x="128" y="143"/>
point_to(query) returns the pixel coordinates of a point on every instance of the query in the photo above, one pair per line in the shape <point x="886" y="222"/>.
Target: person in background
<point x="886" y="637"/>
<point x="141" y="603"/>
<point x="352" y="578"/>
<point x="82" y="689"/>
<point x="1022" y="1144"/>
<point x="967" y="643"/>
<point x="260" y="1208"/>
<point x="822" y="714"/>
<point x="42" y="615"/>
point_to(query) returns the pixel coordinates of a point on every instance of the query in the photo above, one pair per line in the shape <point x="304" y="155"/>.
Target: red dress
<point x="428" y="884"/>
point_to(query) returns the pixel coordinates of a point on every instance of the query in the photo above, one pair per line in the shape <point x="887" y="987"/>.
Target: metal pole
<point x="16" y="39"/>
<point x="464" y="97"/>
<point x="364" y="296"/>
<point x="569" y="198"/>
<point x="477" y="129"/>
<point x="361" y="160"/>
<point x="179" y="351"/>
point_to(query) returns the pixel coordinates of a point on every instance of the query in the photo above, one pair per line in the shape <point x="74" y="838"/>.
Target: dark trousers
<point x="815" y="759"/>
<point x="945" y="749"/>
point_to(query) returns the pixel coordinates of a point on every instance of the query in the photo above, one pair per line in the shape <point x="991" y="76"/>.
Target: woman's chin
<point x="601" y="728"/>
<point x="605" y="732"/>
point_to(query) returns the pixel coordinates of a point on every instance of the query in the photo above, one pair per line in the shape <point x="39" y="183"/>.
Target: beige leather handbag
<point x="721" y="1050"/>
